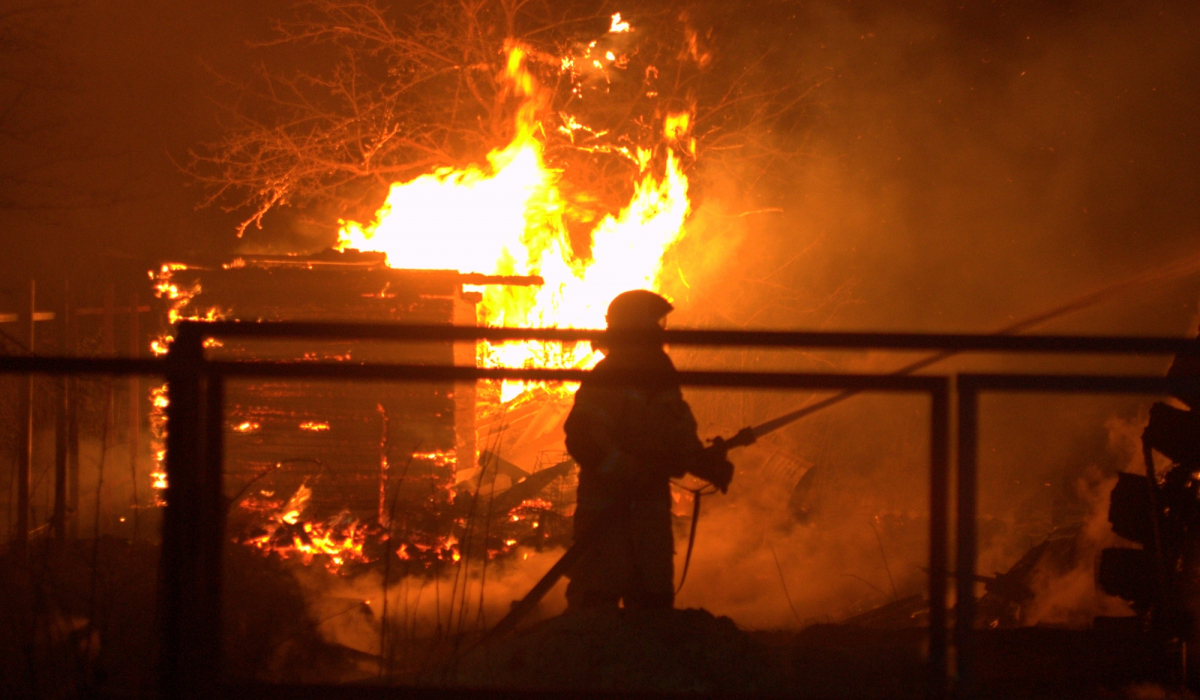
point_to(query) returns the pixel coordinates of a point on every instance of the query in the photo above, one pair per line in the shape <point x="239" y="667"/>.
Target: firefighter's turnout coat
<point x="629" y="441"/>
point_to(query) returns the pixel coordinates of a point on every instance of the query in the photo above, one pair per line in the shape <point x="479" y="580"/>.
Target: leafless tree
<point x="352" y="95"/>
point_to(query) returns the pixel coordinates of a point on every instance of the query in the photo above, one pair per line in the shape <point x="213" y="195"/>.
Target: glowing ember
<point x="336" y="542"/>
<point x="438" y="458"/>
<point x="313" y="426"/>
<point x="247" y="427"/>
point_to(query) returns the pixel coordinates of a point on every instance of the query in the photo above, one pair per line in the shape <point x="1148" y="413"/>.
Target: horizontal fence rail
<point x="110" y="366"/>
<point x="959" y="342"/>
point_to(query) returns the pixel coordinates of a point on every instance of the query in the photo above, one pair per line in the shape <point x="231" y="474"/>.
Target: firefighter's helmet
<point x="637" y="308"/>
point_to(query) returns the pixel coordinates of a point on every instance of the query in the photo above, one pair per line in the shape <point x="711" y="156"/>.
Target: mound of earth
<point x="625" y="650"/>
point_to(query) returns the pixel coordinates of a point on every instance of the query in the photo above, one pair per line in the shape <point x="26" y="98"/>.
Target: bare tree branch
<point x="388" y="93"/>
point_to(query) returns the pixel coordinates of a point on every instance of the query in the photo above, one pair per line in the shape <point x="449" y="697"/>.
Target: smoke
<point x="1066" y="593"/>
<point x="953" y="166"/>
<point x="797" y="541"/>
<point x="817" y="528"/>
<point x="427" y="611"/>
<point x="757" y="566"/>
<point x="1065" y="590"/>
<point x="951" y="169"/>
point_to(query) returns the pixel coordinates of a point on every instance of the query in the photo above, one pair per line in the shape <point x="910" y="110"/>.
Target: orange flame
<point x="507" y="217"/>
<point x="158" y="440"/>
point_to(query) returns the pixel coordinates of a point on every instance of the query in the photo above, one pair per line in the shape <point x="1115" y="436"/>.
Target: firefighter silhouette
<point x="630" y="438"/>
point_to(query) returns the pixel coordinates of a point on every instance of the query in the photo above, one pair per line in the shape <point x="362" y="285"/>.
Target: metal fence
<point x="193" y="521"/>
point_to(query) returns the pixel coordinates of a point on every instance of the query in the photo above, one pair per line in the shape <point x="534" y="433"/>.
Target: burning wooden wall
<point x="341" y="440"/>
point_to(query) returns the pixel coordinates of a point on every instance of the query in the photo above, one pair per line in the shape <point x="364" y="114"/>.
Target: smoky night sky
<point x="952" y="164"/>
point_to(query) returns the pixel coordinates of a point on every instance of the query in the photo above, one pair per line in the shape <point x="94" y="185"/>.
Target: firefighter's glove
<point x="712" y="466"/>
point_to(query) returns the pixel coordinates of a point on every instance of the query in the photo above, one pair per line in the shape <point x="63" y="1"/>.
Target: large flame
<point x="507" y="218"/>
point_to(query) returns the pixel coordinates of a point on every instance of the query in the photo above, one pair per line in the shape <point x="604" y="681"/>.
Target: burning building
<point x="319" y="460"/>
<point x="425" y="474"/>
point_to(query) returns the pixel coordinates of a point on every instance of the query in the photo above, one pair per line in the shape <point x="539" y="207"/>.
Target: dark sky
<point x="956" y="164"/>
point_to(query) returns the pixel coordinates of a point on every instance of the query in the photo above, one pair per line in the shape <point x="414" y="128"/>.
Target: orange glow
<point x="618" y="25"/>
<point x="247" y="427"/>
<point x="313" y="426"/>
<point x="507" y="217"/>
<point x="339" y="540"/>
<point x="676" y="129"/>
<point x="438" y="457"/>
<point x="179" y="298"/>
<point x="158" y="440"/>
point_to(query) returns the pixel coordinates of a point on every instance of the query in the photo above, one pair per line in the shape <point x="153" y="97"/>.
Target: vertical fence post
<point x="59" y="519"/>
<point x="939" y="525"/>
<point x="25" y="440"/>
<point x="188" y="612"/>
<point x="74" y="394"/>
<point x="134" y="412"/>
<point x="61" y="445"/>
<point x="964" y="620"/>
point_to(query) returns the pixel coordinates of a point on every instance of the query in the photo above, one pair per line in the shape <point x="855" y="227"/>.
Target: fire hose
<point x="747" y="436"/>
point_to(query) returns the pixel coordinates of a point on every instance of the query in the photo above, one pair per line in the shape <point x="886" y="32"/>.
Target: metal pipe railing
<point x="956" y="342"/>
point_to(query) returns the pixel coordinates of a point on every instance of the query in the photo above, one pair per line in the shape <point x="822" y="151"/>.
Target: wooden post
<point x="25" y="440"/>
<point x="190" y="564"/>
<point x="61" y="443"/>
<point x="108" y="349"/>
<point x="134" y="406"/>
<point x="72" y="348"/>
